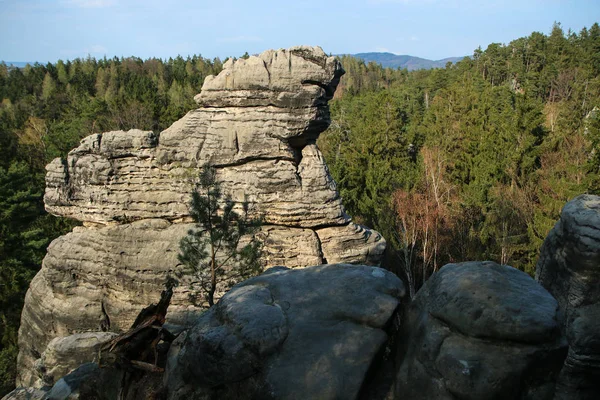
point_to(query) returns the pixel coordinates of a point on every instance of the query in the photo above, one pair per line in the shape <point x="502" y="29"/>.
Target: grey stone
<point x="351" y="243"/>
<point x="480" y="330"/>
<point x="89" y="382"/>
<point x="257" y="124"/>
<point x="298" y="77"/>
<point x="25" y="393"/>
<point x="65" y="354"/>
<point x="288" y="334"/>
<point x="95" y="279"/>
<point x="569" y="267"/>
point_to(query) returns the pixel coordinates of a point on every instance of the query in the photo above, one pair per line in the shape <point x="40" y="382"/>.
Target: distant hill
<point x="404" y="61"/>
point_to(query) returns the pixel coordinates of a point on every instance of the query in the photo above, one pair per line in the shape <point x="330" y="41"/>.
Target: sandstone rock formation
<point x="480" y="330"/>
<point x="88" y="381"/>
<point x="569" y="267"/>
<point x="64" y="354"/>
<point x="257" y="124"/>
<point x="287" y="334"/>
<point x="28" y="393"/>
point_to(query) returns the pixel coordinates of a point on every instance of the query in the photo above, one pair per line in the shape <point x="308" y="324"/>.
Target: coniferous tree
<point x="222" y="248"/>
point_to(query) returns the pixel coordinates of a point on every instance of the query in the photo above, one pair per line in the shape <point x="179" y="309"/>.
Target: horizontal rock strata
<point x="64" y="354"/>
<point x="257" y="124"/>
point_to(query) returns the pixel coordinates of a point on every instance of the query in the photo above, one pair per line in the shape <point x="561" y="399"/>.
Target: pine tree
<point x="48" y="87"/>
<point x="213" y="252"/>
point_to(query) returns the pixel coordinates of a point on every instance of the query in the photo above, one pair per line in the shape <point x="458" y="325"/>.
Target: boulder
<point x="90" y="382"/>
<point x="26" y="393"/>
<point x="257" y="124"/>
<point x="569" y="268"/>
<point x="287" y="334"/>
<point x="65" y="354"/>
<point x="347" y="243"/>
<point x="479" y="330"/>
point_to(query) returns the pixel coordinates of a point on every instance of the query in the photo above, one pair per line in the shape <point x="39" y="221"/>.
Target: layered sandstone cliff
<point x="257" y="124"/>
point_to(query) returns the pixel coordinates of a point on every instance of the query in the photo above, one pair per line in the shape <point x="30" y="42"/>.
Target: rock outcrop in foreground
<point x="569" y="267"/>
<point x="257" y="124"/>
<point x="475" y="330"/>
<point x="288" y="334"/>
<point x="305" y="333"/>
<point x="479" y="330"/>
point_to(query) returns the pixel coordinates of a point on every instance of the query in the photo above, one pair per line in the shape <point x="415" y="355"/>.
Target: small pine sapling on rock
<point x="214" y="250"/>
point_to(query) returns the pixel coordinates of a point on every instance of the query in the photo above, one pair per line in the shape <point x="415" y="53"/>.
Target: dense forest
<point x="469" y="162"/>
<point x="473" y="161"/>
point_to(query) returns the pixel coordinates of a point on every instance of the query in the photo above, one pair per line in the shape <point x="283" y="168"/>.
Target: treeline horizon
<point x="469" y="162"/>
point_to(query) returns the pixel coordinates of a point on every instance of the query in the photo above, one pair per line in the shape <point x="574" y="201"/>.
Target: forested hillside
<point x="469" y="162"/>
<point x="45" y="111"/>
<point x="473" y="161"/>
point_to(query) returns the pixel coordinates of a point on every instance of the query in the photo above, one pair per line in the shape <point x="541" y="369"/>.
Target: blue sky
<point x="65" y="29"/>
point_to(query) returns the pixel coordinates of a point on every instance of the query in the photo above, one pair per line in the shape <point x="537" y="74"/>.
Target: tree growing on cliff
<point x="222" y="248"/>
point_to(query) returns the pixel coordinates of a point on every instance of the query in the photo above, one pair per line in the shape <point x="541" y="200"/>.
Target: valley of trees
<point x="470" y="162"/>
<point x="474" y="161"/>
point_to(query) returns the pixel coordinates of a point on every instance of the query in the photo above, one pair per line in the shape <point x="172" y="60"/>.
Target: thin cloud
<point x="95" y="49"/>
<point x="240" y="39"/>
<point x="90" y="3"/>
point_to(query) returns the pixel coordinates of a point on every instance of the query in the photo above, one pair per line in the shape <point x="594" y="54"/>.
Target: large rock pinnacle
<point x="257" y="124"/>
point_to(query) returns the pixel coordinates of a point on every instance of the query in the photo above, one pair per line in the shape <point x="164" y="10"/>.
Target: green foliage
<point x="213" y="252"/>
<point x="515" y="137"/>
<point x="8" y="373"/>
<point x="592" y="131"/>
<point x="21" y="247"/>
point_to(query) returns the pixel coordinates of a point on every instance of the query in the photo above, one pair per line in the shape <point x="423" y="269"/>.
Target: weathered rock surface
<point x="65" y="354"/>
<point x="287" y="334"/>
<point x="90" y="382"/>
<point x="569" y="267"/>
<point x="347" y="243"/>
<point x="25" y="393"/>
<point x="480" y="330"/>
<point x="260" y="133"/>
<point x="95" y="279"/>
<point x="257" y="124"/>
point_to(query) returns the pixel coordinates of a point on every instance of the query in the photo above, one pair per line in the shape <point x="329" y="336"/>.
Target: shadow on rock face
<point x="288" y="334"/>
<point x="569" y="267"/>
<point x="479" y="330"/>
